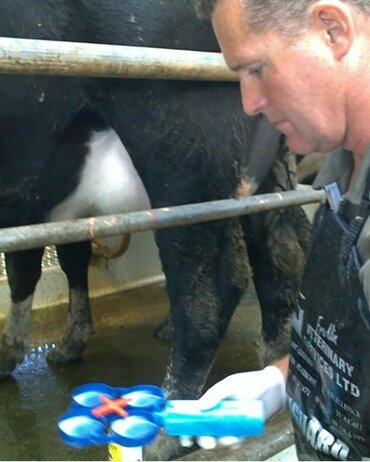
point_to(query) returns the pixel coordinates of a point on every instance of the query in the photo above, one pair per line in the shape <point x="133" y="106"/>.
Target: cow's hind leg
<point x="24" y="270"/>
<point x="204" y="287"/>
<point x="278" y="242"/>
<point x="207" y="271"/>
<point x="74" y="260"/>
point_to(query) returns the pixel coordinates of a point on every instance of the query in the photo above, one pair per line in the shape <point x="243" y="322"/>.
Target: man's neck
<point x="358" y="137"/>
<point x="358" y="102"/>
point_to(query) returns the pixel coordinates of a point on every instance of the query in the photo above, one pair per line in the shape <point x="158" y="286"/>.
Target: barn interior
<point x="129" y="302"/>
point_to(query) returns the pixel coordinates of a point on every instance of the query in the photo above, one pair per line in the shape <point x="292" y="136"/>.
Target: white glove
<point x="267" y="385"/>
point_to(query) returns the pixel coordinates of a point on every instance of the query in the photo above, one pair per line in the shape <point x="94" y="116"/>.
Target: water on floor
<point x="122" y="352"/>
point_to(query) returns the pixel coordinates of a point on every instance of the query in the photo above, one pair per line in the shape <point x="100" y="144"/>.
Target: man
<point x="305" y="65"/>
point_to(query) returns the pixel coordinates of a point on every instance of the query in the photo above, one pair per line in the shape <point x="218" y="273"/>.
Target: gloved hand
<point x="267" y="385"/>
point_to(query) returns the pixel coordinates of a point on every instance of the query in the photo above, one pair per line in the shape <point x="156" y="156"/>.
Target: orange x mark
<point x="111" y="405"/>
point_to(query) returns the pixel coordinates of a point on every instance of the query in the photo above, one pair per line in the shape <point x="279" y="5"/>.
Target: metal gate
<point x="44" y="57"/>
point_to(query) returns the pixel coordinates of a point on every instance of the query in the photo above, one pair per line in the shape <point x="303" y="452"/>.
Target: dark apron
<point x="329" y="376"/>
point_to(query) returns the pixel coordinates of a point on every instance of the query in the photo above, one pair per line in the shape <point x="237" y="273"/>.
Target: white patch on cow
<point x="109" y="182"/>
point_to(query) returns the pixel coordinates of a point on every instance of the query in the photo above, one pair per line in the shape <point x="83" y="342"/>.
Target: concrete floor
<point x="122" y="352"/>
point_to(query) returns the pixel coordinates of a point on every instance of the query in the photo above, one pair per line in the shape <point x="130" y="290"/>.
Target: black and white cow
<point x="189" y="142"/>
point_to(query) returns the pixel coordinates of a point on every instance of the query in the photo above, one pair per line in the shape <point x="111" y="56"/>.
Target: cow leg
<point x="74" y="260"/>
<point x="203" y="297"/>
<point x="277" y="243"/>
<point x="204" y="286"/>
<point x="24" y="270"/>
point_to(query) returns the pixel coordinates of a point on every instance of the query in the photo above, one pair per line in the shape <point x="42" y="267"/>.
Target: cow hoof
<point x="67" y="349"/>
<point x="164" y="448"/>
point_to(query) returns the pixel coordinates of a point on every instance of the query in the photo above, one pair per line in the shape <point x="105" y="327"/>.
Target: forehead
<point x="228" y="21"/>
<point x="238" y="43"/>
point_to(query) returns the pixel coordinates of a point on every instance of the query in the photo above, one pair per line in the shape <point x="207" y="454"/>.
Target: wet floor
<point x="123" y="352"/>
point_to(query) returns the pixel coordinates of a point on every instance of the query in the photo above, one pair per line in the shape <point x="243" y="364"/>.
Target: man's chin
<point x="301" y="147"/>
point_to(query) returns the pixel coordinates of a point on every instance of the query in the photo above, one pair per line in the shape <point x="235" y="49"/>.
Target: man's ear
<point x="333" y="19"/>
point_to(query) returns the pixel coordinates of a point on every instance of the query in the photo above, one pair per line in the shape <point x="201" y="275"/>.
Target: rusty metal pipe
<point x="33" y="236"/>
<point x="47" y="57"/>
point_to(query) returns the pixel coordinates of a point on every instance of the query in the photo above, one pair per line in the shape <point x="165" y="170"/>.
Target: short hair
<point x="288" y="16"/>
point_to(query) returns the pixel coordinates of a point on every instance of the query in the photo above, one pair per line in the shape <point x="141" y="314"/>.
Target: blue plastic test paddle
<point x="100" y="414"/>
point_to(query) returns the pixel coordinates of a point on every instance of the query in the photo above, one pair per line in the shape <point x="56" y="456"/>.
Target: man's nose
<point x="253" y="97"/>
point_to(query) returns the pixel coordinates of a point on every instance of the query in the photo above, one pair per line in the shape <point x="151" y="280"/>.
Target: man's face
<point x="294" y="83"/>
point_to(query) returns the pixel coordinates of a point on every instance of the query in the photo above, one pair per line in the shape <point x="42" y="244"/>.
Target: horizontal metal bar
<point x="34" y="236"/>
<point x="47" y="57"/>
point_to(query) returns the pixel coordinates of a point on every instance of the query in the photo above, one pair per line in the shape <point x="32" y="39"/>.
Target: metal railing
<point x="33" y="236"/>
<point x="43" y="57"/>
<point x="47" y="57"/>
